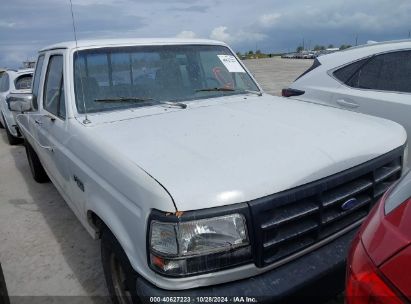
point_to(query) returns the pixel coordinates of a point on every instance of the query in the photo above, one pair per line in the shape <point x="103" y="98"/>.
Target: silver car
<point x="12" y="81"/>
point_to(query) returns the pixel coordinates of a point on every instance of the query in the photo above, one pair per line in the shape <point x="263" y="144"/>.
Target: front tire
<point x="36" y="168"/>
<point x="120" y="275"/>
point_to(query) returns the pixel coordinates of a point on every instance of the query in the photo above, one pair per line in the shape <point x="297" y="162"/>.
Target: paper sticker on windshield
<point x="231" y="63"/>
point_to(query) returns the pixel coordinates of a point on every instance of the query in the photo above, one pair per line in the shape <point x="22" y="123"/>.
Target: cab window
<point x="53" y="100"/>
<point x="36" y="80"/>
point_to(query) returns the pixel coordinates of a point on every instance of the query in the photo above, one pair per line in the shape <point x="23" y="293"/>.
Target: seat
<point x="169" y="79"/>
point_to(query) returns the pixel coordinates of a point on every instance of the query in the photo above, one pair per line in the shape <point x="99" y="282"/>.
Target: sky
<point x="269" y="25"/>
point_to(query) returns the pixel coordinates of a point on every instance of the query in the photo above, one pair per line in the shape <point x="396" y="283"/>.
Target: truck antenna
<point x="86" y="120"/>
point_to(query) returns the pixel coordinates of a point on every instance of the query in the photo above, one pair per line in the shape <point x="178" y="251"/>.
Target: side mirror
<point x="20" y="102"/>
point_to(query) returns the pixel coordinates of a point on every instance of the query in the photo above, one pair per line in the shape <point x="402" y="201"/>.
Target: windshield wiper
<point x="215" y="90"/>
<point x="229" y="90"/>
<point x="125" y="99"/>
<point x="141" y="99"/>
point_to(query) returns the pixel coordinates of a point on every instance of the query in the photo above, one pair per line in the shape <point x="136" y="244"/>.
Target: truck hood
<point x="239" y="148"/>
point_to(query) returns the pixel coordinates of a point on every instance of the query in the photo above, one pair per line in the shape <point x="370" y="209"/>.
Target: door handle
<point x="50" y="117"/>
<point x="48" y="148"/>
<point x="38" y="122"/>
<point x="347" y="104"/>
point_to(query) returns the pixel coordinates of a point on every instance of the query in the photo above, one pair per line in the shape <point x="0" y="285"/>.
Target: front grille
<point x="289" y="222"/>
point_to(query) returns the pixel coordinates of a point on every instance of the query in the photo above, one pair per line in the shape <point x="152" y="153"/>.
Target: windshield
<point x="122" y="77"/>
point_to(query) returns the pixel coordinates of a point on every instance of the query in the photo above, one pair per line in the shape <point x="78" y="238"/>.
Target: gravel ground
<point x="44" y="250"/>
<point x="274" y="74"/>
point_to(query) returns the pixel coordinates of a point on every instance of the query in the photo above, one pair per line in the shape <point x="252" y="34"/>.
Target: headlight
<point x="191" y="247"/>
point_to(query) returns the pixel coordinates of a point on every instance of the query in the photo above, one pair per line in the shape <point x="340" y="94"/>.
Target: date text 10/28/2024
<point x="239" y="299"/>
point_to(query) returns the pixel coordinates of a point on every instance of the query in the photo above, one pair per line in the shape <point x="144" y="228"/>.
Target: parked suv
<point x="373" y="79"/>
<point x="12" y="81"/>
<point x="196" y="181"/>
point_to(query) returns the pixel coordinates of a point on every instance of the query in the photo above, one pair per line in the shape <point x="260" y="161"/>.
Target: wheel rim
<point x="119" y="281"/>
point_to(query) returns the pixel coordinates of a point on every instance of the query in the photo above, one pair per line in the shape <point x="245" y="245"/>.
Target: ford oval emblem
<point x="348" y="204"/>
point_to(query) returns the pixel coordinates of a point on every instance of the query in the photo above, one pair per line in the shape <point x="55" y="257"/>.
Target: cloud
<point x="268" y="20"/>
<point x="186" y="34"/>
<point x="276" y="25"/>
<point x="221" y="33"/>
<point x="365" y="15"/>
<point x="6" y="24"/>
<point x="191" y="8"/>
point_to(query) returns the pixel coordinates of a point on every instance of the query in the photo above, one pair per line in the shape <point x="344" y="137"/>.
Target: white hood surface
<point x="235" y="149"/>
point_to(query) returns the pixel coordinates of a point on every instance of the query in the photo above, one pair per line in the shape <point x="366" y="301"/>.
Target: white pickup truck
<point x="194" y="179"/>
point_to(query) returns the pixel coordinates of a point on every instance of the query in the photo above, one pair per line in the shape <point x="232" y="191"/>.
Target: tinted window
<point x="23" y="82"/>
<point x="395" y="72"/>
<point x="53" y="89"/>
<point x="36" y="80"/>
<point x="368" y="75"/>
<point x="386" y="72"/>
<point x="315" y="65"/>
<point x="345" y="73"/>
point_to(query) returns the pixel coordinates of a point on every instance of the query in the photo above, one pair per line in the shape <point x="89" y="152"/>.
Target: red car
<point x="379" y="262"/>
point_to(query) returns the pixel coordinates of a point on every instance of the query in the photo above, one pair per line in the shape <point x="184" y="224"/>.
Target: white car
<point x="12" y="81"/>
<point x="373" y="79"/>
<point x="194" y="179"/>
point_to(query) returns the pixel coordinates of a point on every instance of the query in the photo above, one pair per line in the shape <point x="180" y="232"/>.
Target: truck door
<point x="52" y="127"/>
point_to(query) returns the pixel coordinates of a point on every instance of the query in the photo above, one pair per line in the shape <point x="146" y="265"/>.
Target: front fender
<point x="128" y="223"/>
<point x="117" y="190"/>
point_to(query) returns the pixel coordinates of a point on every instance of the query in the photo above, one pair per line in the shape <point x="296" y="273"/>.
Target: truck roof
<point x="128" y="41"/>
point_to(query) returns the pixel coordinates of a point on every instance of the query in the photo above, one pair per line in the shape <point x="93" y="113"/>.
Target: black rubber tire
<point x="111" y="248"/>
<point x="36" y="168"/>
<point x="10" y="137"/>
<point x="4" y="297"/>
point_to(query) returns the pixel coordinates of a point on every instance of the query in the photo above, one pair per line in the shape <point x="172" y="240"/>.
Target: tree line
<point x="299" y="49"/>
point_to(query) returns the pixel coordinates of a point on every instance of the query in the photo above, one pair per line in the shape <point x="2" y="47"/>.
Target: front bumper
<point x="312" y="278"/>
